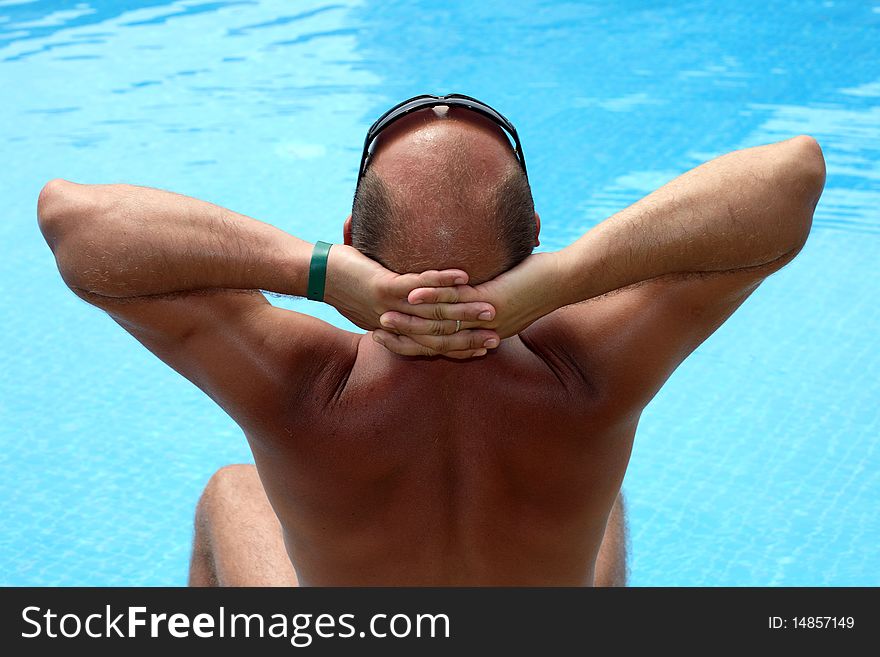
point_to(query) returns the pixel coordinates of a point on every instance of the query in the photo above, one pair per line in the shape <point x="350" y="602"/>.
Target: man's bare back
<point x="500" y="471"/>
<point x="389" y="469"/>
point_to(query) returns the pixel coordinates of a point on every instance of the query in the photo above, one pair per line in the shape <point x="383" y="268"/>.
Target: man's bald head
<point x="444" y="190"/>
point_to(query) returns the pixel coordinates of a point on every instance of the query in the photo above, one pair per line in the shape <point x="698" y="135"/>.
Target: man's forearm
<point x="745" y="209"/>
<point x="127" y="241"/>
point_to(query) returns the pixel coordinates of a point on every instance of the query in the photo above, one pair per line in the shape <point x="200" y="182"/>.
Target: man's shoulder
<point x="306" y="350"/>
<point x="594" y="340"/>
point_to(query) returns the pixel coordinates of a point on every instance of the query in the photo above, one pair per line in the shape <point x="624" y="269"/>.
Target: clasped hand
<point x="419" y="314"/>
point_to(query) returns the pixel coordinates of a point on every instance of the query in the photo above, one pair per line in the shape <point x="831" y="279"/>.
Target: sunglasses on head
<point x="425" y="101"/>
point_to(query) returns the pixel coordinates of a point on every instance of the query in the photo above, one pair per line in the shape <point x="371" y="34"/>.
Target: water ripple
<point x="305" y="38"/>
<point x="187" y="10"/>
<point x="283" y="20"/>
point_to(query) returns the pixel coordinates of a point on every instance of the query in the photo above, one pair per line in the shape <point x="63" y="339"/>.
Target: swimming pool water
<point x="756" y="465"/>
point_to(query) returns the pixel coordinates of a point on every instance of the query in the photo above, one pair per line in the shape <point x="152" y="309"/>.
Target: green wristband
<point x="318" y="271"/>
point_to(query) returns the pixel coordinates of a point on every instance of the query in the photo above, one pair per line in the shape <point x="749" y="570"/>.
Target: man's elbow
<point x="806" y="180"/>
<point x="810" y="166"/>
<point x="65" y="212"/>
<point x="55" y="208"/>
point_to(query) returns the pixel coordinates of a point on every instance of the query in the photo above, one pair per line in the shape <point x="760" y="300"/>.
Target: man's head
<point x="444" y="189"/>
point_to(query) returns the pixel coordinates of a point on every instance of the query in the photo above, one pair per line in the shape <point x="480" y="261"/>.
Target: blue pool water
<point x="757" y="464"/>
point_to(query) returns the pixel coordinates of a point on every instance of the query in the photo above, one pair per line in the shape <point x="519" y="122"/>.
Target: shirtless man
<point x="424" y="452"/>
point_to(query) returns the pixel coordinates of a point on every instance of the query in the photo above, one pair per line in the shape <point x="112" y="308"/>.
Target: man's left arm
<point x="183" y="276"/>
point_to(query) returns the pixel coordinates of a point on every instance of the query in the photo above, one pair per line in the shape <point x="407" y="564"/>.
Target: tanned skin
<point x="412" y="455"/>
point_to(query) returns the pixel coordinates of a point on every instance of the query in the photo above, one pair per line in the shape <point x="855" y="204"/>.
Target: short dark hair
<point x="377" y="222"/>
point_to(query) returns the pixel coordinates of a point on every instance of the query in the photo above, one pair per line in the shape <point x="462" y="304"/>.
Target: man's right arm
<point x="750" y="209"/>
<point x="687" y="255"/>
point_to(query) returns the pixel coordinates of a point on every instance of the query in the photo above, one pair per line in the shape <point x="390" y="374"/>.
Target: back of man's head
<point x="444" y="190"/>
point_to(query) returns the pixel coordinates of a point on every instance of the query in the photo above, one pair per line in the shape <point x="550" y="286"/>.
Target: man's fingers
<point x="467" y="341"/>
<point x="409" y="324"/>
<point x="457" y="294"/>
<point x="442" y="278"/>
<point x="413" y="325"/>
<point x="466" y="312"/>
<point x="402" y="285"/>
<point x="401" y="344"/>
<point x="470" y="339"/>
